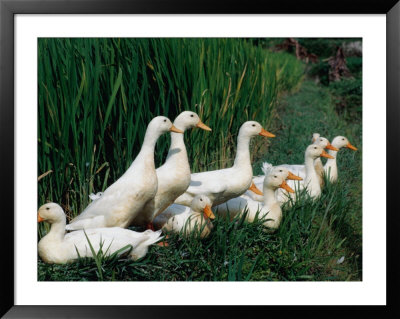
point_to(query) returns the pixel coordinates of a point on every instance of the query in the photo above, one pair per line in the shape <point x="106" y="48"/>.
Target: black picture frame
<point x="8" y="10"/>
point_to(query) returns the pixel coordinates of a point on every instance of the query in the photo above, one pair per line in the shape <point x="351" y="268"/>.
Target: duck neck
<point x="310" y="169"/>
<point x="318" y="162"/>
<point x="57" y="231"/>
<point x="147" y="151"/>
<point x="269" y="196"/>
<point x="177" y="149"/>
<point x="242" y="153"/>
<point x="331" y="166"/>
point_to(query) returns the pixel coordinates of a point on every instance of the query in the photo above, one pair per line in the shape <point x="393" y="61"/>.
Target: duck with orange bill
<point x="224" y="184"/>
<point x="259" y="180"/>
<point x="121" y="202"/>
<point x="182" y="219"/>
<point x="330" y="167"/>
<point x="57" y="247"/>
<point x="300" y="170"/>
<point x="174" y="175"/>
<point x="269" y="209"/>
<point x="311" y="180"/>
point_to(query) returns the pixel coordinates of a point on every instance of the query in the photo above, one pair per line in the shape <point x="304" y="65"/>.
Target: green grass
<point x="313" y="236"/>
<point x="96" y="97"/>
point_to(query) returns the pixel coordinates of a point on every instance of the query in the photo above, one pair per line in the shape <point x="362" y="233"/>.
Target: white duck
<point x="300" y="170"/>
<point x="311" y="180"/>
<point x="269" y="208"/>
<point x="258" y="181"/>
<point x="124" y="199"/>
<point x="221" y="185"/>
<point x="178" y="218"/>
<point x="60" y="248"/>
<point x="330" y="167"/>
<point x="174" y="176"/>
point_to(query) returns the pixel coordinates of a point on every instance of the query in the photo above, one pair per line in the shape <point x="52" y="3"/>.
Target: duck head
<point x="274" y="181"/>
<point x="314" y="151"/>
<point x="253" y="128"/>
<point x="323" y="142"/>
<point x="161" y="125"/>
<point x="189" y="119"/>
<point x="51" y="213"/>
<point x="341" y="141"/>
<point x="202" y="204"/>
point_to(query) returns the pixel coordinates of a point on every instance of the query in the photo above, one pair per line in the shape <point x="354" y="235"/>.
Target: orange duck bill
<point x="351" y="147"/>
<point x="203" y="126"/>
<point x="294" y="177"/>
<point x="207" y="212"/>
<point x="176" y="130"/>
<point x="39" y="218"/>
<point x="266" y="133"/>
<point x="254" y="189"/>
<point x="325" y="154"/>
<point x="331" y="147"/>
<point x="285" y="186"/>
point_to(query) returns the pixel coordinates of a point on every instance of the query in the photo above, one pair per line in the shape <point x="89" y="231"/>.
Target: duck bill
<point x="331" y="147"/>
<point x="176" y="130"/>
<point x="286" y="187"/>
<point x="294" y="177"/>
<point x="266" y="133"/>
<point x="254" y="189"/>
<point x="203" y="126"/>
<point x="39" y="218"/>
<point x="351" y="147"/>
<point x="325" y="154"/>
<point x="208" y="212"/>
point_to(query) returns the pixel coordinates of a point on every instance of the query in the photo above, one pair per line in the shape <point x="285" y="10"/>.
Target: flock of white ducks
<point x="174" y="200"/>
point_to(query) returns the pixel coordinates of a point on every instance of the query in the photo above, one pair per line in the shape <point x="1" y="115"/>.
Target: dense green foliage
<point x="96" y="97"/>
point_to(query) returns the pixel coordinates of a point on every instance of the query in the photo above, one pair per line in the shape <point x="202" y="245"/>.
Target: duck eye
<point x="47" y="208"/>
<point x="280" y="170"/>
<point x="201" y="200"/>
<point x="275" y="176"/>
<point x="253" y="125"/>
<point x="342" y="139"/>
<point x="315" y="148"/>
<point x="191" y="115"/>
<point x="165" y="120"/>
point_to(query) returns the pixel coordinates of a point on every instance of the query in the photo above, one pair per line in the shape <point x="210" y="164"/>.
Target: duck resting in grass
<point x="177" y="218"/>
<point x="259" y="180"/>
<point x="311" y="180"/>
<point x="300" y="170"/>
<point x="57" y="247"/>
<point x="269" y="209"/>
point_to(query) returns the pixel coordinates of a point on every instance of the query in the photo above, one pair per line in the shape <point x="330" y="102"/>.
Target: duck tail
<point x="151" y="237"/>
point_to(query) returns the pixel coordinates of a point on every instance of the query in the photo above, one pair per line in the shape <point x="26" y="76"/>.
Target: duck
<point x="311" y="180"/>
<point x="330" y="168"/>
<point x="120" y="203"/>
<point x="174" y="175"/>
<point x="259" y="180"/>
<point x="270" y="207"/>
<point x="319" y="168"/>
<point x="177" y="218"/>
<point x="222" y="185"/>
<point x="57" y="247"/>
